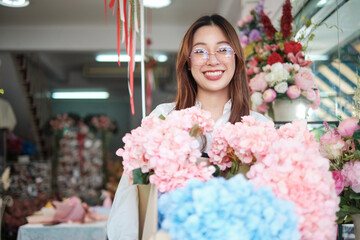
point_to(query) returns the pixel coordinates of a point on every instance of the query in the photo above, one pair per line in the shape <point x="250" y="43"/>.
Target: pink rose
<point x="240" y="23"/>
<point x="269" y="95"/>
<point x="316" y="102"/>
<point x="288" y="67"/>
<point x="298" y="59"/>
<point x="252" y="70"/>
<point x="339" y="181"/>
<point x="304" y="79"/>
<point x="310" y="94"/>
<point x="351" y="174"/>
<point x="348" y="126"/>
<point x="248" y="18"/>
<point x="258" y="83"/>
<point x="263" y="108"/>
<point x="253" y="62"/>
<point x="293" y="92"/>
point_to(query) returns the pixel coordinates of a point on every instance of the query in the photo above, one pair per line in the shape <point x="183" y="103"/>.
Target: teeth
<point x="213" y="73"/>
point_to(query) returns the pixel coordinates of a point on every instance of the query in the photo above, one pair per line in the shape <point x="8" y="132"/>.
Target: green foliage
<point x="349" y="204"/>
<point x="140" y="177"/>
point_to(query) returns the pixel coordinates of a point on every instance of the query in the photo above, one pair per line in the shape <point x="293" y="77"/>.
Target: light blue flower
<point x="226" y="209"/>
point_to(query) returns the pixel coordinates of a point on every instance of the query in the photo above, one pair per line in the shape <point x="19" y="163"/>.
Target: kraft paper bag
<point x="143" y="194"/>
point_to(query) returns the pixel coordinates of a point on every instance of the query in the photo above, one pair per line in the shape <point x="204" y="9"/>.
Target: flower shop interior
<point x="55" y="147"/>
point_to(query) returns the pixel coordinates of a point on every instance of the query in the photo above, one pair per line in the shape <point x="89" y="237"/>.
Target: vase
<point x="356" y="221"/>
<point x="287" y="110"/>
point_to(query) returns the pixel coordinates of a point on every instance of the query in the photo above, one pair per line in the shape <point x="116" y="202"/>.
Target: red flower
<point x="292" y="47"/>
<point x="274" y="58"/>
<point x="269" y="28"/>
<point x="286" y="20"/>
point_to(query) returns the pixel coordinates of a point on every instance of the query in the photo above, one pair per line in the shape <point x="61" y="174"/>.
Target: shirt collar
<point x="227" y="107"/>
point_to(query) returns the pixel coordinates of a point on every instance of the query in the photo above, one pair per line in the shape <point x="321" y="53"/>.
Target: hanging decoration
<point x="128" y="25"/>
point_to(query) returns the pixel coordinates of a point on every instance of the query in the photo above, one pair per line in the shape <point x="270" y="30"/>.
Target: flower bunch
<point x="251" y="29"/>
<point x="235" y="210"/>
<point x="288" y="161"/>
<point x="341" y="146"/>
<point x="61" y="121"/>
<point x="103" y="123"/>
<point x="164" y="151"/>
<point x="276" y="65"/>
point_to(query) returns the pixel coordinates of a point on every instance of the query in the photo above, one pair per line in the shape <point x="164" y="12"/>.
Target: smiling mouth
<point x="217" y="73"/>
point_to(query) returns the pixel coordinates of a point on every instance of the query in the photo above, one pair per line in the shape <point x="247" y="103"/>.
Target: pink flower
<point x="297" y="173"/>
<point x="305" y="79"/>
<point x="248" y="18"/>
<point x="293" y="92"/>
<point x="263" y="107"/>
<point x="244" y="40"/>
<point x="339" y="181"/>
<point x="331" y="145"/>
<point x="168" y="148"/>
<point x="240" y="23"/>
<point x="288" y="67"/>
<point x="269" y="95"/>
<point x="351" y="174"/>
<point x="298" y="59"/>
<point x="267" y="68"/>
<point x="348" y="126"/>
<point x="253" y="62"/>
<point x="272" y="47"/>
<point x="258" y="83"/>
<point x="310" y="94"/>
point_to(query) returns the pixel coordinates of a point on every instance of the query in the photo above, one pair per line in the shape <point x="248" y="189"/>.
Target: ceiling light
<point x="14" y="3"/>
<point x="161" y="58"/>
<point x="80" y="95"/>
<point x="114" y="58"/>
<point x="156" y="3"/>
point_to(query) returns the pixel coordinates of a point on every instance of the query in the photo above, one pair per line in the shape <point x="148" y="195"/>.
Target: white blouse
<point x="123" y="222"/>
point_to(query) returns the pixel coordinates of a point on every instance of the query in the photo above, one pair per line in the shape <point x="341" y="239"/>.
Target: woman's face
<point x="212" y="72"/>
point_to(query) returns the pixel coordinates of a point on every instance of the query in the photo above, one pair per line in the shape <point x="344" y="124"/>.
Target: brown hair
<point x="238" y="86"/>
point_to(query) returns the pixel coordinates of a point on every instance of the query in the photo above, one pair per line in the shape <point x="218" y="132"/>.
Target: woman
<point x="211" y="75"/>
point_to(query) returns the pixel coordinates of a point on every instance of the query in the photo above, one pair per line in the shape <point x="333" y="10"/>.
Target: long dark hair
<point x="238" y="86"/>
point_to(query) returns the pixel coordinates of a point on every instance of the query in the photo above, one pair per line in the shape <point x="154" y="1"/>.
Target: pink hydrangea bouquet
<point x="341" y="146"/>
<point x="289" y="162"/>
<point x="276" y="65"/>
<point x="165" y="151"/>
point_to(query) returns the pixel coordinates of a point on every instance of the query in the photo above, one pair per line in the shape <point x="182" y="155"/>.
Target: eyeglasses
<point x="200" y="56"/>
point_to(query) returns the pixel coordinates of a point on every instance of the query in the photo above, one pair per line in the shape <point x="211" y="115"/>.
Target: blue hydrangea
<point x="226" y="209"/>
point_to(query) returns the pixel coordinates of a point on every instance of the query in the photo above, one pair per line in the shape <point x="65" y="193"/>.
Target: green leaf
<point x="217" y="171"/>
<point x="140" y="177"/>
<point x="308" y="23"/>
<point x="356" y="134"/>
<point x="357" y="152"/>
<point x="162" y="117"/>
<point x="350" y="209"/>
<point x="311" y="37"/>
<point x="2" y="91"/>
<point x="354" y="196"/>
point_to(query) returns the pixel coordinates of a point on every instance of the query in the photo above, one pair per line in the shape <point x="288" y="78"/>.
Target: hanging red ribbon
<point x="125" y="26"/>
<point x="105" y="11"/>
<point x="129" y="39"/>
<point x="131" y="68"/>
<point x="118" y="30"/>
